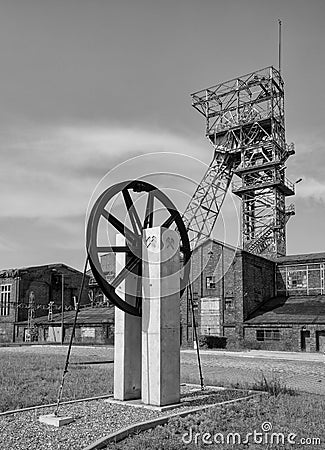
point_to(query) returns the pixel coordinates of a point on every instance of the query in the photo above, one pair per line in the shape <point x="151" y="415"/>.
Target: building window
<point x="5" y="299"/>
<point x="297" y="279"/>
<point x="195" y="299"/>
<point x="46" y="334"/>
<point x="267" y="335"/>
<point x="211" y="282"/>
<point x="228" y="303"/>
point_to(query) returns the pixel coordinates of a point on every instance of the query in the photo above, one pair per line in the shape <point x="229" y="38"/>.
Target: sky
<point x="97" y="90"/>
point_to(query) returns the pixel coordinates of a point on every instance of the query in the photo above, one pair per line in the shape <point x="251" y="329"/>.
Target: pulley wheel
<point x="129" y="190"/>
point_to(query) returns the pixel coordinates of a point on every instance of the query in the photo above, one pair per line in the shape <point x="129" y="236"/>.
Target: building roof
<point x="301" y="258"/>
<point x="8" y="273"/>
<point x="237" y="250"/>
<point x="290" y="310"/>
<point x="86" y="316"/>
<point x="216" y="241"/>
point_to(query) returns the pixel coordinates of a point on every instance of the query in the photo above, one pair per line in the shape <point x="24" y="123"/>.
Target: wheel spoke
<point x="148" y="221"/>
<point x="169" y="221"/>
<point x="129" y="235"/>
<point x="130" y="265"/>
<point x="132" y="246"/>
<point x="113" y="249"/>
<point x="135" y="219"/>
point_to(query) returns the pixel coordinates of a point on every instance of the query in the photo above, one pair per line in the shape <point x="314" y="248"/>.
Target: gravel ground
<point x="93" y="420"/>
<point x="96" y="419"/>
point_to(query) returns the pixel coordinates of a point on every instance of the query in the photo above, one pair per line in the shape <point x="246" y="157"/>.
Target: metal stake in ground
<point x="54" y="419"/>
<point x="196" y="338"/>
<point x="66" y="365"/>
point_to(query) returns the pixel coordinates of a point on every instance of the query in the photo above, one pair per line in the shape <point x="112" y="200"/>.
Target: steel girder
<point x="245" y="124"/>
<point x="202" y="212"/>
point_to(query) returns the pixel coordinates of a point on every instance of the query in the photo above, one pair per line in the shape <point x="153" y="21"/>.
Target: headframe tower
<point x="245" y="124"/>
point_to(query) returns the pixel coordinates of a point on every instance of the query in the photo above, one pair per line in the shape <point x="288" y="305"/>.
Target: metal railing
<point x="289" y="184"/>
<point x="238" y="185"/>
<point x="290" y="209"/>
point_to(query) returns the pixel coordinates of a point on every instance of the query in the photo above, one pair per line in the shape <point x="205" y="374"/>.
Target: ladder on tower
<point x="260" y="242"/>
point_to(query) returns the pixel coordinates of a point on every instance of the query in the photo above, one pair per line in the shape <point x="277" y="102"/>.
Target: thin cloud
<point x="52" y="172"/>
<point x="49" y="174"/>
<point x="309" y="160"/>
<point x="311" y="189"/>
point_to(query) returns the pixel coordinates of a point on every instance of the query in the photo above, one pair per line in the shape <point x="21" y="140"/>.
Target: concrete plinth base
<point x="55" y="421"/>
<point x="127" y="338"/>
<point x="160" y="317"/>
<point x="139" y="404"/>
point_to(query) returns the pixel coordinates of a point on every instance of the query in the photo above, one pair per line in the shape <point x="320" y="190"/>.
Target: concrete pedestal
<point x="127" y="339"/>
<point x="160" y="317"/>
<point x="56" y="421"/>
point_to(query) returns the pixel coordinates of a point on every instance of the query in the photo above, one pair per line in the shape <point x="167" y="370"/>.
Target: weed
<point x="273" y="386"/>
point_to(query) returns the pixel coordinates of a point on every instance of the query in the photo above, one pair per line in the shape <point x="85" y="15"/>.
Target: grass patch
<point x="31" y="376"/>
<point x="273" y="386"/>
<point x="211" y="396"/>
<point x="303" y="415"/>
<point x="29" y="379"/>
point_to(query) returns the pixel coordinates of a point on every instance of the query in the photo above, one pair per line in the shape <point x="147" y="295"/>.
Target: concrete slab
<point x="185" y="401"/>
<point x="138" y="427"/>
<point x="139" y="404"/>
<point x="55" y="421"/>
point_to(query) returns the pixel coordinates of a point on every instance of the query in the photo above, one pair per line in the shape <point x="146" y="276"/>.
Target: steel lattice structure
<point x="245" y="124"/>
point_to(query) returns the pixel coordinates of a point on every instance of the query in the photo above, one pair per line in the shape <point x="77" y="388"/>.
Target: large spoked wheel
<point x="133" y="237"/>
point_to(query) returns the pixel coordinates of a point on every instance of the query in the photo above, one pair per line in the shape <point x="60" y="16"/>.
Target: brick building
<point x="295" y="318"/>
<point x="38" y="285"/>
<point x="97" y="298"/>
<point x="252" y="301"/>
<point x="236" y="281"/>
<point x="257" y="303"/>
<point x="94" y="326"/>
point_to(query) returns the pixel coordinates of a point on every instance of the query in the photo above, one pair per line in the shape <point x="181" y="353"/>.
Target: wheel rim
<point x="133" y="239"/>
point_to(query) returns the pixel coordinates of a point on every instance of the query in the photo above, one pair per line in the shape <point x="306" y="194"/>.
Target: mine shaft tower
<point x="245" y="124"/>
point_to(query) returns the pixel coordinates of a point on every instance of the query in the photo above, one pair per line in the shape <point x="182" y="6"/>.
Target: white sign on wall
<point x="210" y="316"/>
<point x="88" y="332"/>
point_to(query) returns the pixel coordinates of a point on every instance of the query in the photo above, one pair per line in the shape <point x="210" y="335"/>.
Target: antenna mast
<point x="279" y="50"/>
